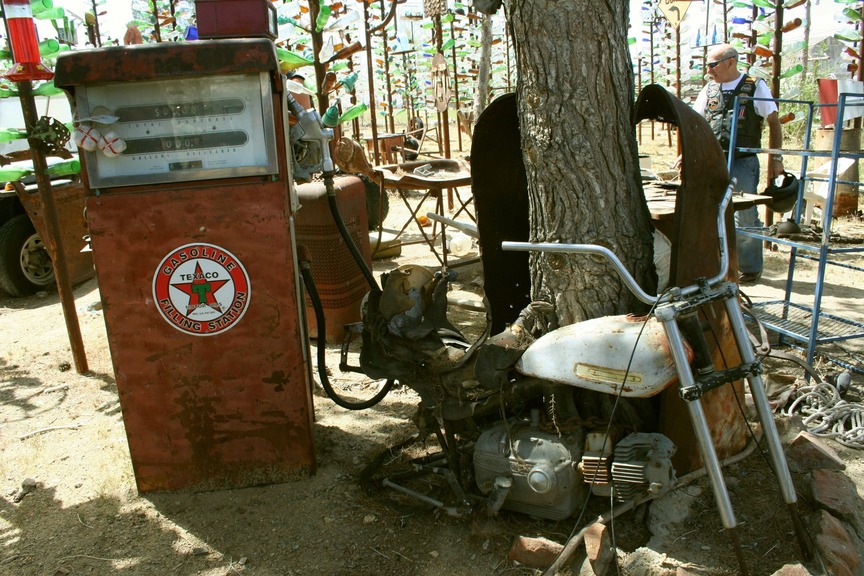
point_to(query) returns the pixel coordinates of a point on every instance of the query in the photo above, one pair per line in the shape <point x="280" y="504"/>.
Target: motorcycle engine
<point x="540" y="469"/>
<point x="547" y="476"/>
<point x="641" y="463"/>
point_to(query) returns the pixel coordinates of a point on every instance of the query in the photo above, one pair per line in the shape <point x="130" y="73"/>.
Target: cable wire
<point x="568" y="549"/>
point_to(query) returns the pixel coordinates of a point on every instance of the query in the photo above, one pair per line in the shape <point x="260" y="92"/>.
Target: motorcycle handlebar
<point x="622" y="271"/>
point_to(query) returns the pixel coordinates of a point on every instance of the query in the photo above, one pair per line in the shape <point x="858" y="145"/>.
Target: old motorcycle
<point x="534" y="420"/>
<point x="512" y="414"/>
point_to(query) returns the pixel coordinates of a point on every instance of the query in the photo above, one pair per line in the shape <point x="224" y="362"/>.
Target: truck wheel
<point x="25" y="266"/>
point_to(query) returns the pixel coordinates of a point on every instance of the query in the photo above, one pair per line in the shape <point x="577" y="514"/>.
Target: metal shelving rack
<point x="808" y="325"/>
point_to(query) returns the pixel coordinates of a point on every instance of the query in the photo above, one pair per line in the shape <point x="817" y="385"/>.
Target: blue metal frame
<point x="790" y="323"/>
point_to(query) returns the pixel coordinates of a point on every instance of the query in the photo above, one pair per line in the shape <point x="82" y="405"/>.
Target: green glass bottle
<point x="10" y="134"/>
<point x="291" y="60"/>
<point x="64" y="168"/>
<point x="349" y="81"/>
<point x="41" y="5"/>
<point x="52" y="14"/>
<point x="323" y="17"/>
<point x="49" y="47"/>
<point x="353" y="112"/>
<point x="331" y="117"/>
<point x="47" y="89"/>
<point x="12" y="174"/>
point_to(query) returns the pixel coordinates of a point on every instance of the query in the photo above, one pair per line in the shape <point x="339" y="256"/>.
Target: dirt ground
<point x="84" y="516"/>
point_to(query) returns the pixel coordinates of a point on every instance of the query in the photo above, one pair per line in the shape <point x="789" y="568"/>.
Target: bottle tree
<point x="317" y="40"/>
<point x="49" y="49"/>
<point x="852" y="35"/>
<point x="162" y="20"/>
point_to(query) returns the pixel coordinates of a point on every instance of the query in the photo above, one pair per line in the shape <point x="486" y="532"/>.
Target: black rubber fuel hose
<point x="312" y="290"/>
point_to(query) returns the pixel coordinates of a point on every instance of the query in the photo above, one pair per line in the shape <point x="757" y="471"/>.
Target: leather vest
<point x="720" y="108"/>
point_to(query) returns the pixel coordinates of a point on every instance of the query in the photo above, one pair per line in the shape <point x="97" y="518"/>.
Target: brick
<point x="808" y="452"/>
<point x="534" y="552"/>
<point x="835" y="544"/>
<point x="835" y="492"/>
<point x="598" y="546"/>
<point x="792" y="570"/>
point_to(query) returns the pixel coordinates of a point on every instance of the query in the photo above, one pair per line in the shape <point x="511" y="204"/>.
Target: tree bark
<point x="575" y="94"/>
<point x="481" y="99"/>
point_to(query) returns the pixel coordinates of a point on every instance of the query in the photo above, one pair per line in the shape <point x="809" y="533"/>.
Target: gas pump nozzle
<point x="309" y="128"/>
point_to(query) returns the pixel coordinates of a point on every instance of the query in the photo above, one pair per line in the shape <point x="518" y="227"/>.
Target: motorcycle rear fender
<point x="595" y="354"/>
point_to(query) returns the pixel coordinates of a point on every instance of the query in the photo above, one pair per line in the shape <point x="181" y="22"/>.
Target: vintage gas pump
<point x="191" y="215"/>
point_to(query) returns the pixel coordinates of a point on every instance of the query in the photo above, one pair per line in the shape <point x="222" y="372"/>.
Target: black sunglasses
<point x="714" y="64"/>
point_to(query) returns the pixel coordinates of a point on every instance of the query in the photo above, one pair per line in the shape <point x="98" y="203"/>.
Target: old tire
<point x="25" y="266"/>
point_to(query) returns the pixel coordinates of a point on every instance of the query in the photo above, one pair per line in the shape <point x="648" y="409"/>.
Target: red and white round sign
<point x="201" y="289"/>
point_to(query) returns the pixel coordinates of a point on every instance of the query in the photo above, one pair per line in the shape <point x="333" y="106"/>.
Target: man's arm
<point x="775" y="141"/>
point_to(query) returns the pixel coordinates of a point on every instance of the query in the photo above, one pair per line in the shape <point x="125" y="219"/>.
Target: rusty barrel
<point x="338" y="279"/>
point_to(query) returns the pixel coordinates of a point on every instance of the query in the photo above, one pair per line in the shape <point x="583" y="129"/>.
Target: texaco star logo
<point x="201" y="289"/>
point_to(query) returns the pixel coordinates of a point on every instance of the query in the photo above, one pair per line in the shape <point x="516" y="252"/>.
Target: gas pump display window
<point x="181" y="129"/>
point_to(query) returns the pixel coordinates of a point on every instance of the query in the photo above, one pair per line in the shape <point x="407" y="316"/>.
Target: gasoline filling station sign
<point x="201" y="289"/>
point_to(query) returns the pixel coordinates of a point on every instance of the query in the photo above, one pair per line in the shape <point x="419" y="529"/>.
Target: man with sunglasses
<point x="716" y="102"/>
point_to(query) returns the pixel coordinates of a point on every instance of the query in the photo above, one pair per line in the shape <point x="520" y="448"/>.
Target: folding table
<point x="431" y="177"/>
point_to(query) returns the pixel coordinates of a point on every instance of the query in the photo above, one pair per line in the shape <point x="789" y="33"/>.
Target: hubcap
<point x="35" y="262"/>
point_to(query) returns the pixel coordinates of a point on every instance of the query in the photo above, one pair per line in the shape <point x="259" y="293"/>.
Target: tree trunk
<point x="575" y="95"/>
<point x="481" y="98"/>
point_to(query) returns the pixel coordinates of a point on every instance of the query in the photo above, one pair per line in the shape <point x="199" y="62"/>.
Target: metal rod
<point x="413" y="493"/>
<point x="61" y="269"/>
<point x="455" y="79"/>
<point x="667" y="316"/>
<point x="390" y="123"/>
<point x="766" y="417"/>
<point x="622" y="270"/>
<point x="370" y="73"/>
<point x="466" y="227"/>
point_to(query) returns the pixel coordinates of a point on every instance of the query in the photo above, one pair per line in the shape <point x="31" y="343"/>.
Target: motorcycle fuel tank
<point x="595" y="355"/>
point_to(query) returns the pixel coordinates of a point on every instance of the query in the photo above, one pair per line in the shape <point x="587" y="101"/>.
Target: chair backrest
<point x="423" y="129"/>
<point x="465" y="121"/>
<point x="817" y="192"/>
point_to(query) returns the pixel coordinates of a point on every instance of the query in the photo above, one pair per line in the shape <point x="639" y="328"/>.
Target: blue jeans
<point x="746" y="170"/>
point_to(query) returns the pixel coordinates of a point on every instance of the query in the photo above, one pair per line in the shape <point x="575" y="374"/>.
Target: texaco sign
<point x="201" y="289"/>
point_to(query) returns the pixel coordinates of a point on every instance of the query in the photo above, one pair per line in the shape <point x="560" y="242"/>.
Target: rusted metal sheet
<point x="163" y="61"/>
<point x="500" y="189"/>
<point x="228" y="409"/>
<point x="69" y="200"/>
<point x="704" y="179"/>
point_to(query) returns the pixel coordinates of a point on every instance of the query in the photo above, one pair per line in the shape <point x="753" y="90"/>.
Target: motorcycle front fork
<point x="700" y="377"/>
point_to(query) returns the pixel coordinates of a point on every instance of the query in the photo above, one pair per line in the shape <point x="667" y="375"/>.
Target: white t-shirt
<point x="763" y="107"/>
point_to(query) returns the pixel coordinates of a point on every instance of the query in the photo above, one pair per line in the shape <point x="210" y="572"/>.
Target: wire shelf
<point x="795" y="320"/>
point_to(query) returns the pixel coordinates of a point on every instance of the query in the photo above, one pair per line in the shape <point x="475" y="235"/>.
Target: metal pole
<point x="61" y="270"/>
<point x="778" y="47"/>
<point x="445" y="119"/>
<point x="320" y="68"/>
<point x="370" y="73"/>
<point x="455" y="81"/>
<point x="667" y="316"/>
<point x="651" y="62"/>
<point x="391" y="126"/>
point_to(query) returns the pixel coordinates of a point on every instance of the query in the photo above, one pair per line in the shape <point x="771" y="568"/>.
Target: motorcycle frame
<point x="672" y="307"/>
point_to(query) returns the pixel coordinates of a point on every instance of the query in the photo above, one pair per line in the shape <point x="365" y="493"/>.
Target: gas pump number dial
<point x="183" y="129"/>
